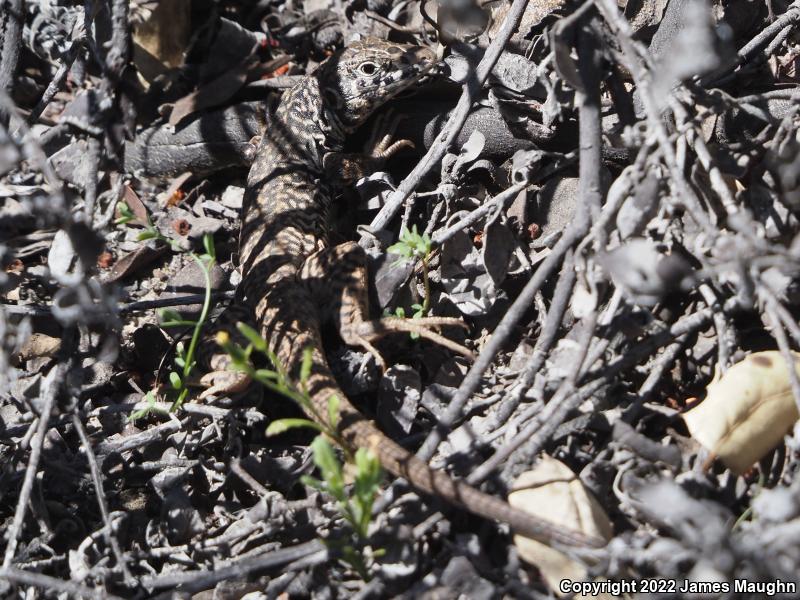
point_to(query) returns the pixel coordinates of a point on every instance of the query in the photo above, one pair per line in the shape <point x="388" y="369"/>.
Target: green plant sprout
<point x="356" y="509"/>
<point x="185" y="360"/>
<point x="277" y="380"/>
<point x="355" y="505"/>
<point x="125" y="214"/>
<point x="748" y="512"/>
<point x="413" y="246"/>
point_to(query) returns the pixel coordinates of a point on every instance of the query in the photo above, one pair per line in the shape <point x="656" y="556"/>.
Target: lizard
<point x="292" y="276"/>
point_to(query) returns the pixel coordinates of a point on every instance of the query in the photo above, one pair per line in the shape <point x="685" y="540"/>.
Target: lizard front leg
<point x="347" y="168"/>
<point x="338" y="277"/>
<point x="221" y="379"/>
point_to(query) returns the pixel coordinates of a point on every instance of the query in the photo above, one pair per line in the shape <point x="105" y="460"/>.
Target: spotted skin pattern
<point x="291" y="276"/>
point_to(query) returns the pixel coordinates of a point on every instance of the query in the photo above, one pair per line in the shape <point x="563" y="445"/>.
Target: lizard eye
<point x="368" y="68"/>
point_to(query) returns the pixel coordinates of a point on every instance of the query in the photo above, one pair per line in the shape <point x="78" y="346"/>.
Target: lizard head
<point x="364" y="75"/>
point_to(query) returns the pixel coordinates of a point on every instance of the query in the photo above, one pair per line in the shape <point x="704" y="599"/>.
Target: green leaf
<point x="364" y="461"/>
<point x="240" y="356"/>
<point x="400" y="249"/>
<point x="169" y="314"/>
<point x="368" y="474"/>
<point x="147" y="234"/>
<point x="180" y="361"/>
<point x="357" y="510"/>
<point x="169" y="317"/>
<point x="305" y="367"/>
<point x="208" y="244"/>
<point x="282" y="425"/>
<point x="259" y="343"/>
<point x="325" y="459"/>
<point x="178" y="324"/>
<point x="333" y="411"/>
<point x="150" y="398"/>
<point x="324" y="456"/>
<point x="355" y="559"/>
<point x="175" y="380"/>
<point x="276" y="363"/>
<point x="138" y="414"/>
<point x="125" y="213"/>
<point x="412" y="244"/>
<point x="267" y="375"/>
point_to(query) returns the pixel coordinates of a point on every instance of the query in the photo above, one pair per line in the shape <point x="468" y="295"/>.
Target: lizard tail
<point x="289" y="320"/>
<point x="359" y="432"/>
<point x="420" y="475"/>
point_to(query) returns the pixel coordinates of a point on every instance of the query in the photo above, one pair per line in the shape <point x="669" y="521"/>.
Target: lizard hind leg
<point x="220" y="379"/>
<point x="338" y="277"/>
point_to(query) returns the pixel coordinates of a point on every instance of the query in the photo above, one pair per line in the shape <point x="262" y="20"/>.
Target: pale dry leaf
<point x="38" y="345"/>
<point x="553" y="492"/>
<point x="131" y="198"/>
<point x="498" y="248"/>
<point x="161" y="36"/>
<point x="645" y="274"/>
<point x="470" y="151"/>
<point x="62" y="256"/>
<point x="747" y="411"/>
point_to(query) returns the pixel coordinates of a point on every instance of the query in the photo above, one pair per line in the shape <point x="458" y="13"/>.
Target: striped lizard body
<point x="291" y="275"/>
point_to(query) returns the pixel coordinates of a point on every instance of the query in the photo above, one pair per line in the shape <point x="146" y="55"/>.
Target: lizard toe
<point x="223" y="383"/>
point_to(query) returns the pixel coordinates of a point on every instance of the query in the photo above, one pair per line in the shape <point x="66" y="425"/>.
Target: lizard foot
<point x="380" y="146"/>
<point x="371" y="330"/>
<point x="348" y="168"/>
<point x="223" y="383"/>
<point x="251" y="149"/>
<point x="337" y="277"/>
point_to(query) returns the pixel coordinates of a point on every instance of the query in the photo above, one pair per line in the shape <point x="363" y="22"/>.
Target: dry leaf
<point x="747" y="411"/>
<point x="135" y="204"/>
<point x="38" y="345"/>
<point x="161" y="34"/>
<point x="173" y="195"/>
<point x="105" y="260"/>
<point x="552" y="491"/>
<point x="213" y="93"/>
<point x="133" y="261"/>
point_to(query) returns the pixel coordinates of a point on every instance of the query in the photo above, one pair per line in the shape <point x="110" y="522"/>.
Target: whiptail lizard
<point x="291" y="276"/>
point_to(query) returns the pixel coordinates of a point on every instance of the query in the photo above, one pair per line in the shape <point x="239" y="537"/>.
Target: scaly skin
<point x="287" y="262"/>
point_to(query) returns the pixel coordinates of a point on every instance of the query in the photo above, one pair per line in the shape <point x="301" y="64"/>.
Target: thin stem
<point x="50" y="387"/>
<point x="189" y="364"/>
<point x="12" y="43"/>
<point x="94" y="469"/>
<point x="426" y="302"/>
